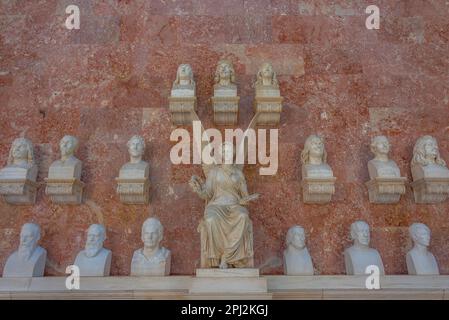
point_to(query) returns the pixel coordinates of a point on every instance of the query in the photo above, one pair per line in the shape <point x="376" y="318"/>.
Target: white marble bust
<point x="360" y="255"/>
<point x="297" y="260"/>
<point x="94" y="260"/>
<point x="21" y="164"/>
<point x="136" y="168"/>
<point x="225" y="79"/>
<point x="184" y="84"/>
<point x="314" y="159"/>
<point x="420" y="261"/>
<point x="68" y="166"/>
<point x="427" y="162"/>
<point x="152" y="259"/>
<point x="29" y="260"/>
<point x="266" y="82"/>
<point x="381" y="165"/>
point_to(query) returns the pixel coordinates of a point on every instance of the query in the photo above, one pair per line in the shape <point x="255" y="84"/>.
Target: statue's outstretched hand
<point x="196" y="184"/>
<point x="245" y="201"/>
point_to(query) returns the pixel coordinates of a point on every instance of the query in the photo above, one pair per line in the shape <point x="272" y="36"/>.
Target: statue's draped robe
<point x="226" y="230"/>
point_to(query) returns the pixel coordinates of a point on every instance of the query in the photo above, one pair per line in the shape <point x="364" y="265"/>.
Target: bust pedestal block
<point x="181" y="109"/>
<point x="430" y="190"/>
<point x="318" y="190"/>
<point x="226" y="110"/>
<point x="386" y="190"/>
<point x="18" y="191"/>
<point x="270" y="109"/>
<point x="133" y="191"/>
<point x="64" y="191"/>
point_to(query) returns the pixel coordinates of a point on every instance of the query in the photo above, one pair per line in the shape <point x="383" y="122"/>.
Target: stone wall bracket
<point x="133" y="191"/>
<point x="318" y="190"/>
<point x="18" y="191"/>
<point x="386" y="190"/>
<point x="269" y="109"/>
<point x="181" y="109"/>
<point x="64" y="191"/>
<point x="226" y="110"/>
<point x="430" y="190"/>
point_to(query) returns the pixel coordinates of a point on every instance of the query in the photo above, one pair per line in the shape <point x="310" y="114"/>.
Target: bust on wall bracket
<point x="225" y="100"/>
<point x="386" y="184"/>
<point x="18" y="179"/>
<point x="268" y="100"/>
<point x="429" y="171"/>
<point x="63" y="183"/>
<point x="182" y="100"/>
<point x="133" y="182"/>
<point x="318" y="181"/>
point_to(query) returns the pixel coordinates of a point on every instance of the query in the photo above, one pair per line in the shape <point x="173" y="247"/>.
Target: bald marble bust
<point x="94" y="260"/>
<point x="29" y="260"/>
<point x="297" y="260"/>
<point x="359" y="256"/>
<point x="420" y="261"/>
<point x="152" y="259"/>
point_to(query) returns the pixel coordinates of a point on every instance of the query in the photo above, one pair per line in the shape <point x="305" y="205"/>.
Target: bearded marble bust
<point x="427" y="161"/>
<point x="359" y="256"/>
<point x="21" y="163"/>
<point x="266" y="82"/>
<point x="314" y="159"/>
<point x="68" y="166"/>
<point x="152" y="259"/>
<point x="94" y="260"/>
<point x="420" y="261"/>
<point x="29" y="260"/>
<point x="184" y="84"/>
<point x="297" y="260"/>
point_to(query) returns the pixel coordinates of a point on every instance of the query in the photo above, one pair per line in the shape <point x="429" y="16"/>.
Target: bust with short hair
<point x="94" y="260"/>
<point x="297" y="260"/>
<point x="359" y="256"/>
<point x="63" y="182"/>
<point x="29" y="260"/>
<point x="152" y="259"/>
<point x="420" y="261"/>
<point x="382" y="165"/>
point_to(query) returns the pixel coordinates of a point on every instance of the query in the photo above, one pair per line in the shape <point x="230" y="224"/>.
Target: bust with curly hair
<point x="314" y="158"/>
<point x="21" y="164"/>
<point x="427" y="161"/>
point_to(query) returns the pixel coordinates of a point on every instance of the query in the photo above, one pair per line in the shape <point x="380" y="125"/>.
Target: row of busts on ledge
<point x="225" y="101"/>
<point x="154" y="260"/>
<point x="429" y="172"/>
<point x="64" y="186"/>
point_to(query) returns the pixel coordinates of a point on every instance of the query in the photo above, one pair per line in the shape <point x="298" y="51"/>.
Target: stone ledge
<point x="180" y="287"/>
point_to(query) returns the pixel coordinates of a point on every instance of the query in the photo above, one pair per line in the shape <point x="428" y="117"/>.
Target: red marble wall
<point x="110" y="80"/>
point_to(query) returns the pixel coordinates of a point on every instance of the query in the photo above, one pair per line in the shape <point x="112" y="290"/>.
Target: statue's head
<point x="136" y="146"/>
<point x="152" y="233"/>
<point x="420" y="233"/>
<point x="227" y="152"/>
<point x="360" y="233"/>
<point x="380" y="145"/>
<point x="68" y="145"/>
<point x="96" y="234"/>
<point x="21" y="150"/>
<point x="426" y="152"/>
<point x="266" y="73"/>
<point x="29" y="237"/>
<point x="225" y="71"/>
<point x="296" y="237"/>
<point x="184" y="73"/>
<point x="313" y="147"/>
